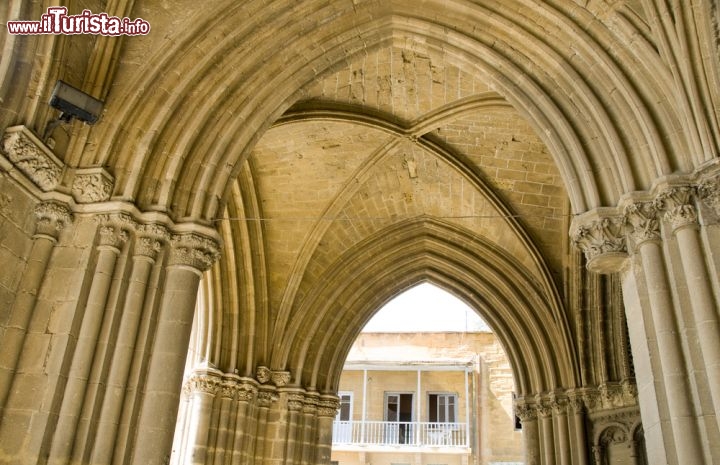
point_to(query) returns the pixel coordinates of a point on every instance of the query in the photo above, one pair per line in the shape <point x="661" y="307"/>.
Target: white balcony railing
<point x="393" y="433"/>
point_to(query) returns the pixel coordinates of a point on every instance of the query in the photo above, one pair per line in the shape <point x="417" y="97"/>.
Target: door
<point x="398" y="417"/>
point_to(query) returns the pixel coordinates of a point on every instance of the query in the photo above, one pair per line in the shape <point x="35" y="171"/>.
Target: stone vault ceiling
<point x="400" y="133"/>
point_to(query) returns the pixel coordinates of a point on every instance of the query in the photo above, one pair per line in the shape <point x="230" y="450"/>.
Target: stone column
<point x="528" y="417"/>
<point x="244" y="429"/>
<point x="265" y="397"/>
<point x="148" y="243"/>
<point x="327" y="410"/>
<point x="560" y="427"/>
<point x="547" y="444"/>
<point x="310" y="410"/>
<point x="223" y="441"/>
<point x="190" y="255"/>
<point x="645" y="234"/>
<point x="201" y="387"/>
<point x="112" y="236"/>
<point x="293" y="447"/>
<point x="579" y="439"/>
<point x="683" y="218"/>
<point x="52" y="217"/>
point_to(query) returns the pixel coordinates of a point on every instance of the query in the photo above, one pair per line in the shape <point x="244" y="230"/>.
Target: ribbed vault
<point x="578" y="84"/>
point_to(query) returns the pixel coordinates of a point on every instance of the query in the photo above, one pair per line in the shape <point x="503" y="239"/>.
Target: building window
<point x="442" y="408"/>
<point x="345" y="412"/>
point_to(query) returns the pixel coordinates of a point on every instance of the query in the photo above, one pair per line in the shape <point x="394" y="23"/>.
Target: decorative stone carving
<point x="150" y="238"/>
<point x="203" y="383"/>
<point x="328" y="407"/>
<point x="92" y="185"/>
<point x="32" y="157"/>
<point x="709" y="192"/>
<point x="295" y="402"/>
<point x="679" y="211"/>
<point x="526" y="412"/>
<point x="112" y="236"/>
<point x="603" y="242"/>
<point x="265" y="397"/>
<point x="280" y="378"/>
<point x="642" y="221"/>
<point x="559" y="404"/>
<point x="263" y="374"/>
<point x="52" y="217"/>
<point x="193" y="250"/>
<point x="310" y="405"/>
<point x="246" y="390"/>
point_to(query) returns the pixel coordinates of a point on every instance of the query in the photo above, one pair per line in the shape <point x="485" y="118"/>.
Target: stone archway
<point x="620" y="96"/>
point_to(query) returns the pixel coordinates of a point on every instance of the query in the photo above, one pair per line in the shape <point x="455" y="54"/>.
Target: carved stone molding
<point x="193" y="250"/>
<point x="642" y="221"/>
<point x="32" y="157"/>
<point x="603" y="242"/>
<point x="52" y="217"/>
<point x="92" y="185"/>
<point x="679" y="210"/>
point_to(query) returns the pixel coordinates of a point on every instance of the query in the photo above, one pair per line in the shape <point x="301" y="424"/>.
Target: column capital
<point x="265" y="396"/>
<point x="205" y="383"/>
<point x="311" y="403"/>
<point x="328" y="406"/>
<point x="642" y="222"/>
<point x="526" y="411"/>
<point x="150" y="239"/>
<point x="709" y="192"/>
<point x="677" y="203"/>
<point x="52" y="217"/>
<point x="601" y="237"/>
<point x="295" y="401"/>
<point x="193" y="250"/>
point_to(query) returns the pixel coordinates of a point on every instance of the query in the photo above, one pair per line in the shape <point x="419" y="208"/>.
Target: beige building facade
<point x="426" y="398"/>
<point x="265" y="174"/>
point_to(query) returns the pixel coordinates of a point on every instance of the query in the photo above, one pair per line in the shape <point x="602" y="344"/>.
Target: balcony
<point x="400" y="434"/>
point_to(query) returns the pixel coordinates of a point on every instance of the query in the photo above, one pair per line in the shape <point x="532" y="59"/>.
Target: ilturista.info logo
<point x="57" y="21"/>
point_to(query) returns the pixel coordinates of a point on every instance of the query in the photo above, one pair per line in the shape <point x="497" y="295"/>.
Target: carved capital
<point x="642" y="221"/>
<point x="33" y="158"/>
<point x="203" y="383"/>
<point x="280" y="378"/>
<point x="193" y="250"/>
<point x="92" y="185"/>
<point x="328" y="406"/>
<point x="559" y="404"/>
<point x="52" y="217"/>
<point x="603" y="242"/>
<point x="265" y="397"/>
<point x="310" y="406"/>
<point x="709" y="192"/>
<point x="263" y="374"/>
<point x="295" y="402"/>
<point x="246" y="390"/>
<point x="150" y="239"/>
<point x="526" y="412"/>
<point x="679" y="210"/>
<point x="112" y="236"/>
